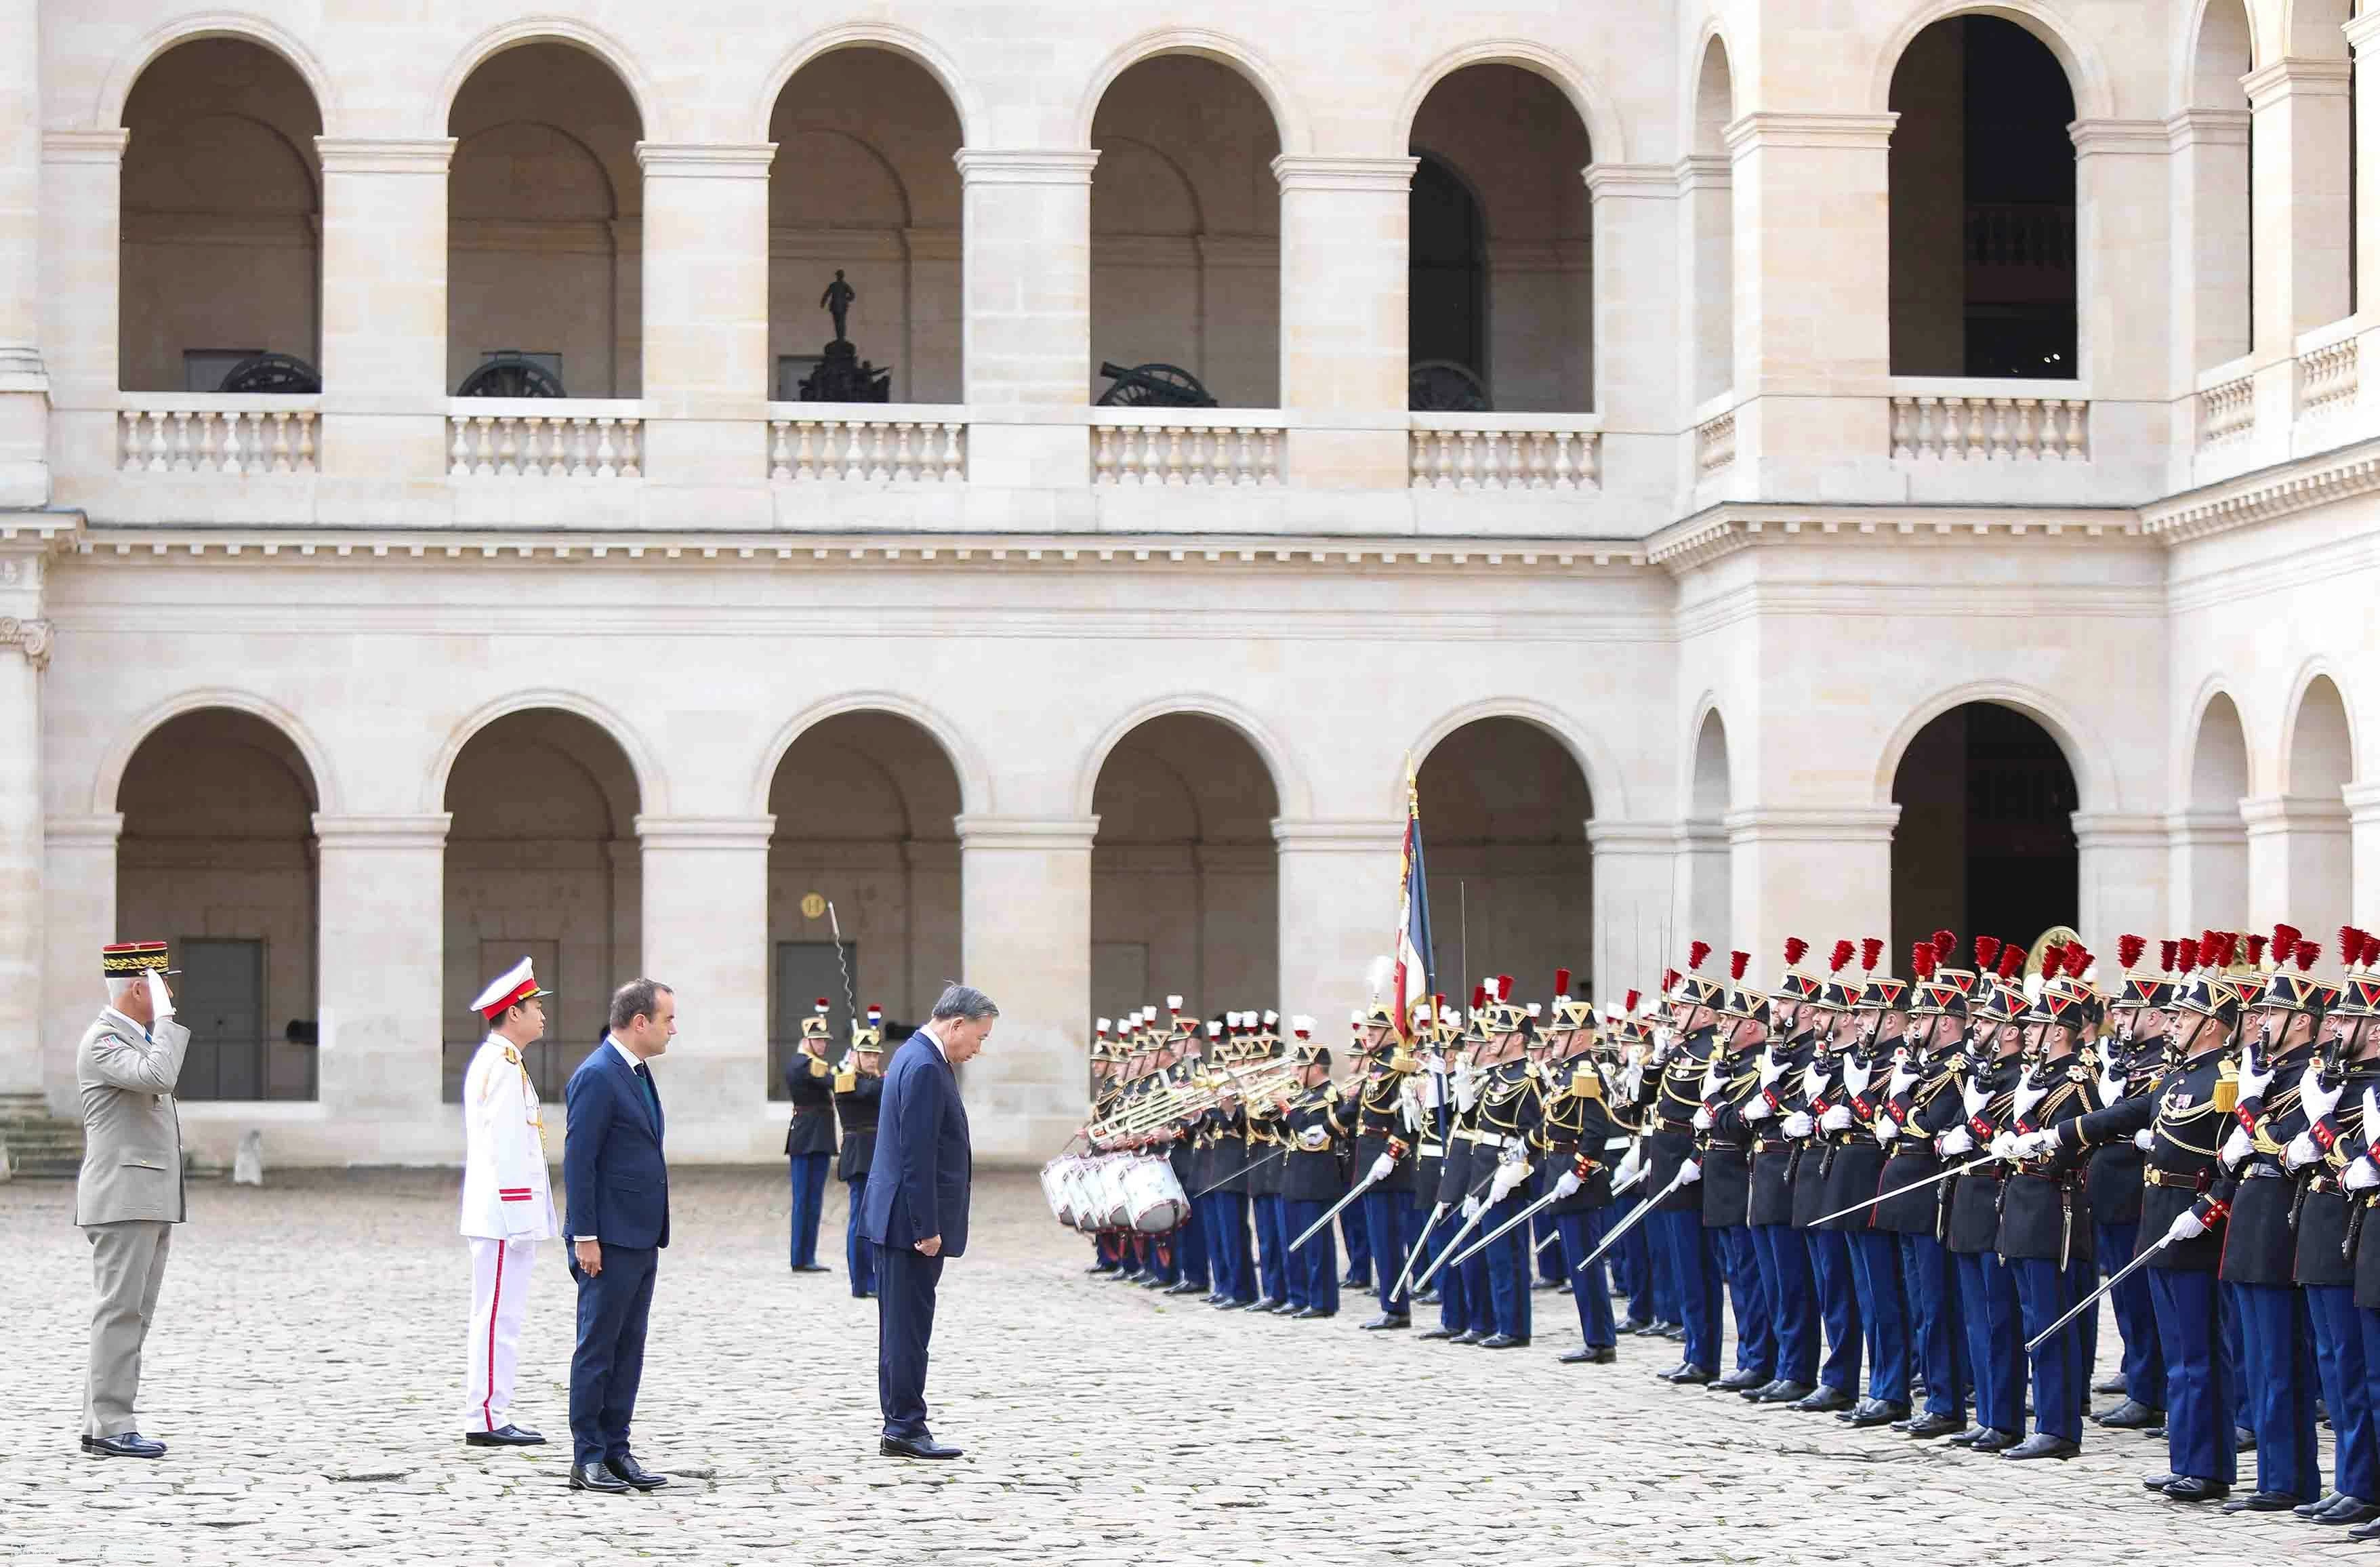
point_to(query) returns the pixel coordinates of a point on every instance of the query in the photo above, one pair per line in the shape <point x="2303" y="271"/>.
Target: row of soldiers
<point x="1923" y="1176"/>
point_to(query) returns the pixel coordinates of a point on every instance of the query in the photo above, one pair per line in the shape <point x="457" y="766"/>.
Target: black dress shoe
<point x="2159" y="1482"/>
<point x="626" y="1469"/>
<point x="914" y="1447"/>
<point x="1227" y="1304"/>
<point x="1427" y="1297"/>
<point x="2111" y="1385"/>
<point x="2350" y="1510"/>
<point x="1675" y="1331"/>
<point x="2154" y="1433"/>
<point x="1505" y="1341"/>
<point x="1546" y="1284"/>
<point x="1387" y="1322"/>
<point x="1302" y="1313"/>
<point x="2191" y="1487"/>
<point x="1742" y="1381"/>
<point x="2244" y="1440"/>
<point x="597" y="1477"/>
<point x="1352" y="1283"/>
<point x="503" y="1436"/>
<point x="2128" y="1415"/>
<point x="1155" y="1281"/>
<point x="1634" y="1325"/>
<point x="2365" y="1532"/>
<point x="1692" y="1376"/>
<point x="2041" y="1444"/>
<point x="2318" y="1506"/>
<point x="1925" y="1427"/>
<point x="1562" y="1288"/>
<point x="1781" y="1391"/>
<point x="1184" y="1288"/>
<point x="1990" y="1441"/>
<point x="123" y="1444"/>
<point x="1438" y="1332"/>
<point x="1469" y="1336"/>
<point x="2257" y="1501"/>
<point x="1825" y="1401"/>
<point x="1968" y="1438"/>
<point x="811" y="1268"/>
<point x="1593" y="1355"/>
<point x="1875" y="1412"/>
<point x="1101" y="1268"/>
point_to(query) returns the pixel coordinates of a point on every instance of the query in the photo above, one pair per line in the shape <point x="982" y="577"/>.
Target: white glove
<point x="1712" y="1077"/>
<point x="161" y="1000"/>
<point x="2145" y="1139"/>
<point x="1632" y="1083"/>
<point x="1629" y="1163"/>
<point x="1903" y="1075"/>
<point x="2111" y="1087"/>
<point x="1691" y="1173"/>
<point x="1836" y="1118"/>
<point x="1955" y="1141"/>
<point x="1856" y="1077"/>
<point x="1813" y="1078"/>
<point x="1567" y="1186"/>
<point x="1382" y="1168"/>
<point x="2027" y="1094"/>
<point x="1885" y="1128"/>
<point x="2004" y="1146"/>
<point x="2036" y="1145"/>
<point x="2237" y="1148"/>
<point x="2186" y="1226"/>
<point x="1470" y="1208"/>
<point x="1662" y="1039"/>
<point x="2317" y="1100"/>
<point x="1703" y="1119"/>
<point x="1508" y="1176"/>
<point x="1799" y="1124"/>
<point x="2300" y="1153"/>
<point x="2362" y="1175"/>
<point x="1756" y="1108"/>
<point x="1771" y="1068"/>
<point x="1974" y="1097"/>
<point x="1466" y="1089"/>
<point x="2253" y="1080"/>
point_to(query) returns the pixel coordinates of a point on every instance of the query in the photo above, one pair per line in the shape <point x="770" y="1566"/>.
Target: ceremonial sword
<point x="1242" y="1170"/>
<point x="1637" y="1218"/>
<point x="1437" y="1212"/>
<point x="2093" y="1298"/>
<point x="1358" y="1190"/>
<point x="1530" y="1213"/>
<point x="1935" y="1179"/>
<point x="1469" y="1224"/>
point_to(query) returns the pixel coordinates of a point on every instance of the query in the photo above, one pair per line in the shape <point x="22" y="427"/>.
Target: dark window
<point x="805" y="971"/>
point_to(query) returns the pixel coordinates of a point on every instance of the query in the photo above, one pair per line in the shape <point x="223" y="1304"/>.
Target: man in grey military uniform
<point x="129" y="1195"/>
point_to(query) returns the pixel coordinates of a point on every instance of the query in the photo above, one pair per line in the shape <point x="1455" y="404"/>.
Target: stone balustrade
<point x="545" y="438"/>
<point x="2226" y="412"/>
<point x="2328" y="378"/>
<point x="1715" y="444"/>
<point x="1990" y="427"/>
<point x="1505" y="451"/>
<point x="1184" y="446"/>
<point x="214" y="432"/>
<point x="891" y="444"/>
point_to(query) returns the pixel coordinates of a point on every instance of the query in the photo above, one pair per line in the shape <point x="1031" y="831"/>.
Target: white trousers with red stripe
<point x="499" y="1302"/>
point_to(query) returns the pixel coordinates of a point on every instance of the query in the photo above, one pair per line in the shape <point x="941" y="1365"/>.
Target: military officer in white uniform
<point x="507" y="1200"/>
<point x="129" y="1194"/>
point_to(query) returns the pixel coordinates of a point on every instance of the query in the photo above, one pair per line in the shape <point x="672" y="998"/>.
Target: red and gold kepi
<point x="128" y="960"/>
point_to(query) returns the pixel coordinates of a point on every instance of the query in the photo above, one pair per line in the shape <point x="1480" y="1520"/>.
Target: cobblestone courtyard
<point x="307" y="1369"/>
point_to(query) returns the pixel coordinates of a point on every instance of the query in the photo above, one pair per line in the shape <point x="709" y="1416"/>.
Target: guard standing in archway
<point x="810" y="1137"/>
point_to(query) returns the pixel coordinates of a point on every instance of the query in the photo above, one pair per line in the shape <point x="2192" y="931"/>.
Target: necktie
<point x="652" y="1098"/>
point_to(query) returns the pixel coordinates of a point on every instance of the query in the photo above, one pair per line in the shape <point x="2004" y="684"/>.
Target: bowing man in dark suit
<point x="914" y="1209"/>
<point x="617" y="1184"/>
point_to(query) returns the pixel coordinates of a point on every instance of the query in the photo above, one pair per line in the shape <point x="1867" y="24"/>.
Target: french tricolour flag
<point x="1412" y="977"/>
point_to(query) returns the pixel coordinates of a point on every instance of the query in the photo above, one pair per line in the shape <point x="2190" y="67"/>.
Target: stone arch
<point x="916" y="47"/>
<point x="1288" y="122"/>
<point x="135" y="62"/>
<point x="1596" y="110"/>
<point x="2207" y="50"/>
<point x="652" y="784"/>
<point x="2317" y="738"/>
<point x="2219" y="770"/>
<point x="2085" y="72"/>
<point x="1710" y="786"/>
<point x="1289" y="785"/>
<point x="652" y="124"/>
<point x="2094" y="770"/>
<point x="966" y="760"/>
<point x="1604" y="785"/>
<point x="330" y="798"/>
<point x="1711" y="94"/>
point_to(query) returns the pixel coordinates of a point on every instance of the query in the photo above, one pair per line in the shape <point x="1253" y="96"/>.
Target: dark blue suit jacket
<point x="925" y="1166"/>
<point x="613" y="1173"/>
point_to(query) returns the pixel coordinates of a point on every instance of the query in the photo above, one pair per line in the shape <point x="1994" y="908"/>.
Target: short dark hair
<point x="637" y="998"/>
<point x="964" y="1001"/>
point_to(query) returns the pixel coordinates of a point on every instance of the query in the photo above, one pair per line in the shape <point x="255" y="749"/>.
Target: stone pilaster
<point x="706" y="309"/>
<point x="1028" y="334"/>
<point x="706" y="936"/>
<point x="383" y="309"/>
<point x="1338" y="881"/>
<point x="1025" y="910"/>
<point x="1343" y="357"/>
<point x="379" y="940"/>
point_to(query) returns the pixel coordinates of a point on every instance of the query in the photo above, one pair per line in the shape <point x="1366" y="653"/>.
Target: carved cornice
<point x="1724" y="530"/>
<point x="1386" y="176"/>
<point x="2264" y="494"/>
<point x="1772" y="128"/>
<point x="1024" y="165"/>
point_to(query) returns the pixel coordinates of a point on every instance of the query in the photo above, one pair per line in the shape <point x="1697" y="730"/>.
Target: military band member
<point x="1107" y="1088"/>
<point x="2129" y="1057"/>
<point x="1672" y="1090"/>
<point x="1652" y="1306"/>
<point x="809" y="1136"/>
<point x="1225" y="1219"/>
<point x="1184" y="1255"/>
<point x="507" y="1200"/>
<point x="1922" y="1101"/>
<point x="1575" y="1168"/>
<point x="858" y="1088"/>
<point x="1267" y="1177"/>
<point x="1316" y="1130"/>
<point x="129" y="1195"/>
<point x="1355" y="1219"/>
<point x="1722" y="1168"/>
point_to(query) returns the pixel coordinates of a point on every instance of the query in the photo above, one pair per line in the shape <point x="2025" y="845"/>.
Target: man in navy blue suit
<point x="617" y="1184"/>
<point x="916" y="1210"/>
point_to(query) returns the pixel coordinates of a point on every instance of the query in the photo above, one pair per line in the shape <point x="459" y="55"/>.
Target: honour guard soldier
<point x="1651" y="1308"/>
<point x="1674" y="1088"/>
<point x="129" y="1197"/>
<point x="1506" y="1116"/>
<point x="1463" y="1315"/>
<point x="1267" y="1177"/>
<point x="1316" y="1133"/>
<point x="2188" y="1112"/>
<point x="1381" y="1133"/>
<point x="1432" y="1089"/>
<point x="2359" y="1012"/>
<point x="1987" y="1301"/>
<point x="1575" y="1168"/>
<point x="859" y="1087"/>
<point x="810" y="1137"/>
<point x="1182" y="1256"/>
<point x="508" y="1199"/>
<point x="1777" y="1251"/>
<point x="1722" y="1167"/>
<point x="2129" y="1059"/>
<point x="1827" y="1029"/>
<point x="1354" y="1222"/>
<point x="1466" y="1219"/>
<point x="1226" y="1216"/>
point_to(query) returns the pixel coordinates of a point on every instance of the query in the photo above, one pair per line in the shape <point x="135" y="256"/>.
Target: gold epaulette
<point x="846" y="1082"/>
<point x="1586" y="1083"/>
<point x="2227" y="1087"/>
<point x="512" y="1055"/>
<point x="818" y="1066"/>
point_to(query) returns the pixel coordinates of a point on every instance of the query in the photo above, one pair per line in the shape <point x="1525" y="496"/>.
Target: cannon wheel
<point x="269" y="374"/>
<point x="511" y="375"/>
<point x="1443" y="387"/>
<point x="1183" y="389"/>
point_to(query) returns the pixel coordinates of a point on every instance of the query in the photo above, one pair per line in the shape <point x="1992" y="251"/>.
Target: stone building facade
<point x="1881" y="465"/>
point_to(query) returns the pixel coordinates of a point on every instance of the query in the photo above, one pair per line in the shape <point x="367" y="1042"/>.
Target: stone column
<point x="24" y="387"/>
<point x="2206" y="861"/>
<point x="78" y="918"/>
<point x="383" y="309"/>
<point x="2299" y="217"/>
<point x="2363" y="850"/>
<point x="706" y="313"/>
<point x="1638" y="893"/>
<point x="2123" y="208"/>
<point x="24" y="651"/>
<point x="1637" y="324"/>
<point x="706" y="936"/>
<point x="2297" y="862"/>
<point x="380" y="944"/>
<point x="1819" y="872"/>
<point x="2123" y="873"/>
<point x="1343" y="358"/>
<point x="1027" y="339"/>
<point x="80" y="264"/>
<point x="1811" y="279"/>
<point x="1339" y="882"/>
<point x="1025" y="910"/>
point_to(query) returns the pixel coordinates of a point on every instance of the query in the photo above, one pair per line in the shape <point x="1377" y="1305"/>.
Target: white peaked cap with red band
<point x="1302" y="1026"/>
<point x="516" y="985"/>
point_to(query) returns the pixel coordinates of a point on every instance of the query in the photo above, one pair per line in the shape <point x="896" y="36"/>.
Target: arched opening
<point x="1985" y="839"/>
<point x="864" y="187"/>
<point x="1708" y="869"/>
<point x="1185" y="230"/>
<point x="1514" y="143"/>
<point x="1184" y="887"/>
<point x="221" y="224"/>
<point x="544" y="229"/>
<point x="1504" y="808"/>
<point x="1446" y="294"/>
<point x="2212" y="884"/>
<point x="1982" y="172"/>
<point x="1713" y="218"/>
<point x="2212" y="185"/>
<point x="865" y="804"/>
<point x="218" y="857"/>
<point x="2321" y="764"/>
<point x="541" y="861"/>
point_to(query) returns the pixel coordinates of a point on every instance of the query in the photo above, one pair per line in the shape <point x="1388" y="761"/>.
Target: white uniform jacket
<point x="507" y="1192"/>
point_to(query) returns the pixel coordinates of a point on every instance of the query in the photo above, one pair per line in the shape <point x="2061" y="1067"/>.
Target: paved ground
<point x="308" y="1363"/>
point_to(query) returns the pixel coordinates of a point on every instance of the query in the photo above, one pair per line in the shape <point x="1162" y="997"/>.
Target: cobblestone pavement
<point x="308" y="1362"/>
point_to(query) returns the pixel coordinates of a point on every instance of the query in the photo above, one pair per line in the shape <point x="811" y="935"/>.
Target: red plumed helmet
<point x="1736" y="964"/>
<point x="1503" y="987"/>
<point x="2227" y="947"/>
<point x="2351" y="943"/>
<point x="1987" y="952"/>
<point x="1795" y="948"/>
<point x="2185" y="951"/>
<point x="2256" y="950"/>
<point x="1841" y="955"/>
<point x="2371" y="951"/>
<point x="1670" y="977"/>
<point x="2166" y="951"/>
<point x="1921" y="960"/>
<point x="2011" y="960"/>
<point x="2306" y="953"/>
<point x="2077" y="959"/>
<point x="2208" y="946"/>
<point x="1945" y="941"/>
<point x="2129" y="949"/>
<point x="1478" y="997"/>
<point x="1695" y="953"/>
<point x="1632" y="999"/>
<point x="2051" y="962"/>
<point x="1871" y="948"/>
<point x="2285" y="943"/>
<point x="1561" y="984"/>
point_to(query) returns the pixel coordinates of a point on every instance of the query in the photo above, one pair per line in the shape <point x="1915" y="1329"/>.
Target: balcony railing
<point x="1184" y="446"/>
<point x="1505" y="451"/>
<point x="2328" y="379"/>
<point x="545" y="438"/>
<point x="2227" y="413"/>
<point x="907" y="444"/>
<point x="1988" y="427"/>
<point x="215" y="432"/>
